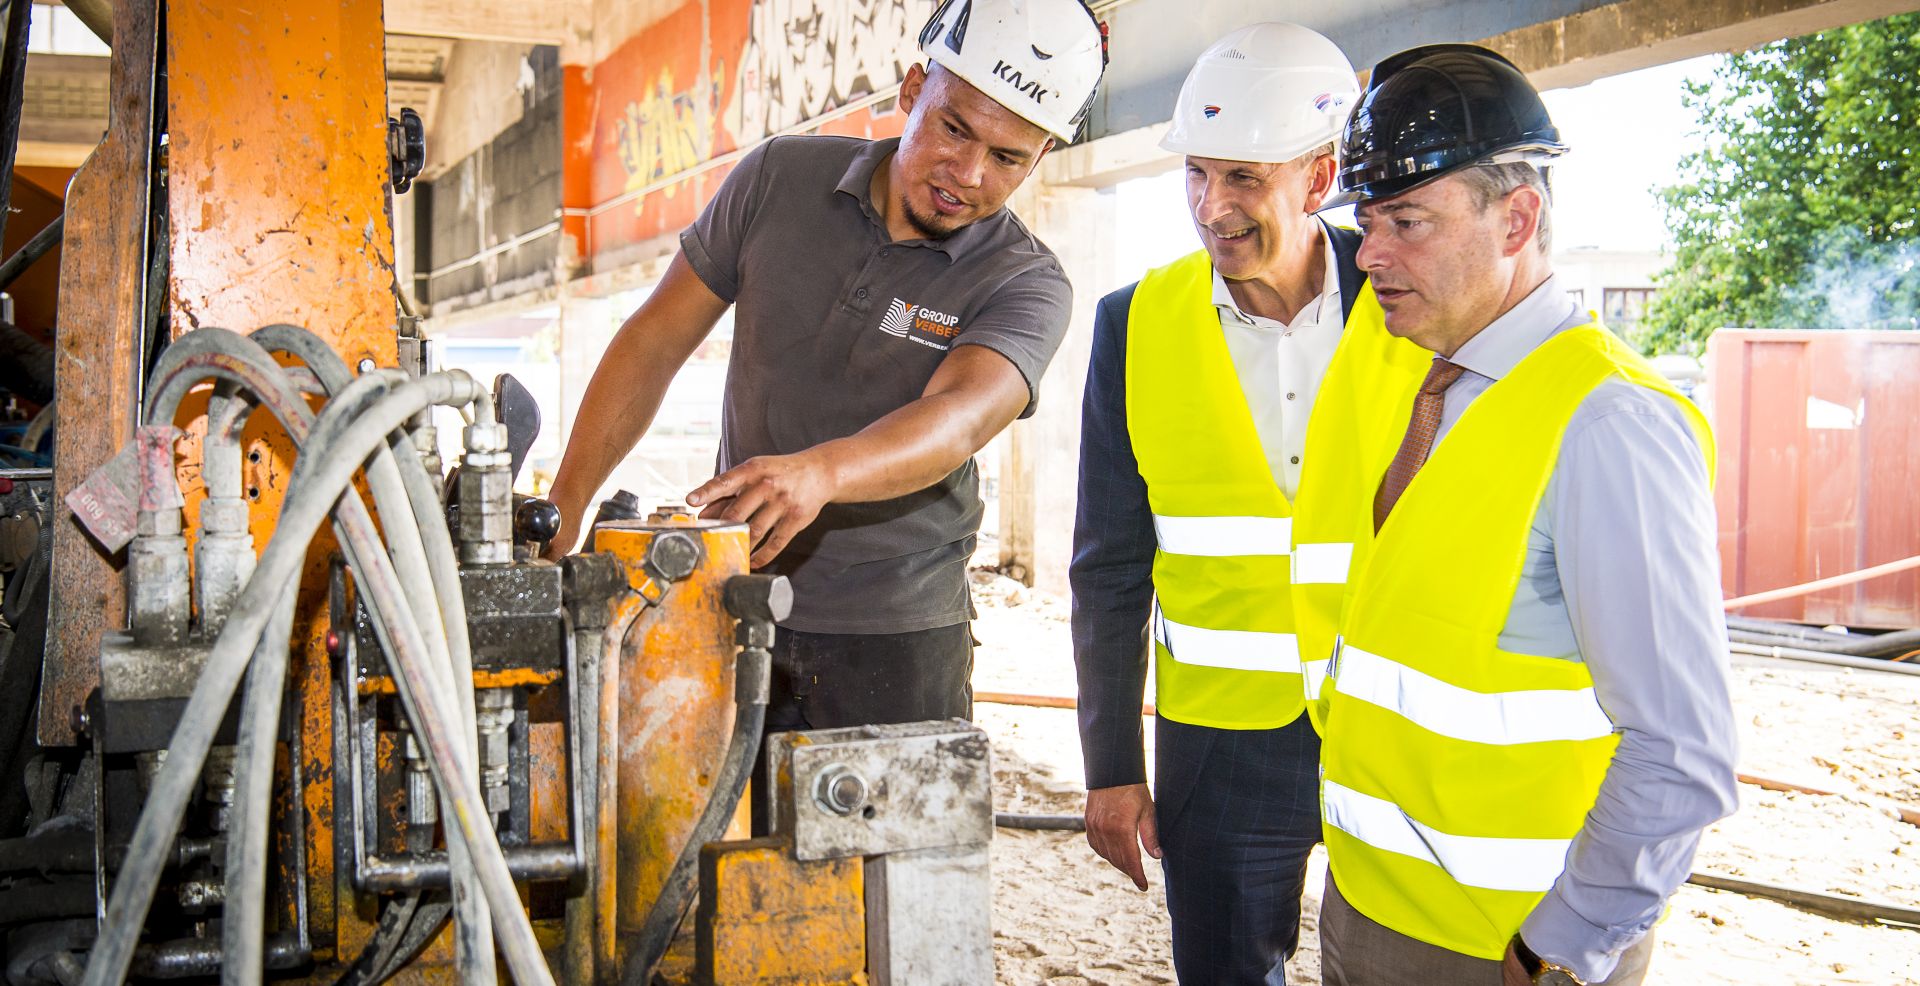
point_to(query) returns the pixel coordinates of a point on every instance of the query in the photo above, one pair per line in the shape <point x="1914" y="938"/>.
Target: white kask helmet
<point x="1042" y="59"/>
<point x="1267" y="92"/>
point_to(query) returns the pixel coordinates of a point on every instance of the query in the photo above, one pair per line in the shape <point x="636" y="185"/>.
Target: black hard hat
<point x="1432" y="110"/>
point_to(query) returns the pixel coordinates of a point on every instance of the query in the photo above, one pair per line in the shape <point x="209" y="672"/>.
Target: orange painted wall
<point x="706" y="81"/>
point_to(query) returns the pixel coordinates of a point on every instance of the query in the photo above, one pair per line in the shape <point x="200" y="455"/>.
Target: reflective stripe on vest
<point x="1455" y="773"/>
<point x="1225" y="645"/>
<point x="1497" y="718"/>
<point x="1491" y="864"/>
<point x="1222" y="649"/>
<point x="1322" y="564"/>
<point x="1223" y="536"/>
<point x="1238" y="650"/>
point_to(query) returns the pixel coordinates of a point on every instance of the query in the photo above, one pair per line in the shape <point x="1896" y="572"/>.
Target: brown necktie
<point x="1419" y="441"/>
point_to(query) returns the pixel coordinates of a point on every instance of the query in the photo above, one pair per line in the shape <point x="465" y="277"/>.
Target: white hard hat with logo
<point x="1267" y="92"/>
<point x="1042" y="59"/>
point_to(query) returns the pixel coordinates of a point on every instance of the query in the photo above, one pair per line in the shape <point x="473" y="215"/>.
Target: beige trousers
<point x="1356" y="950"/>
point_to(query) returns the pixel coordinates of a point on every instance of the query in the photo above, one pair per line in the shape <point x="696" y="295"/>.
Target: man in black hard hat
<point x="1526" y="715"/>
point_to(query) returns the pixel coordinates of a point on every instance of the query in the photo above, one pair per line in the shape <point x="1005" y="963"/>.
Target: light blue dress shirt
<point x="1622" y="573"/>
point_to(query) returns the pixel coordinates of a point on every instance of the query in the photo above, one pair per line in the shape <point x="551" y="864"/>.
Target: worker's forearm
<point x="631" y="380"/>
<point x="618" y="407"/>
<point x="906" y="451"/>
<point x="974" y="396"/>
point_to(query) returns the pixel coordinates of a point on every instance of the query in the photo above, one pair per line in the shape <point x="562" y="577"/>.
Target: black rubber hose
<point x="26" y="365"/>
<point x="45" y="902"/>
<point x="25" y="257"/>
<point x="1883" y="645"/>
<point x="406" y="926"/>
<point x="432" y="915"/>
<point x="395" y="916"/>
<point x="1040" y="823"/>
<point x="1782" y="628"/>
<point x="670" y="908"/>
<point x="64" y="850"/>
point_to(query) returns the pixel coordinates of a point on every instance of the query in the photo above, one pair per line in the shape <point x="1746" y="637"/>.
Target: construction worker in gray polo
<point x="1221" y="389"/>
<point x="890" y="317"/>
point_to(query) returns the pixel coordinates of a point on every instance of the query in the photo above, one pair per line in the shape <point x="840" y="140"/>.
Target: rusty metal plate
<point x="921" y="785"/>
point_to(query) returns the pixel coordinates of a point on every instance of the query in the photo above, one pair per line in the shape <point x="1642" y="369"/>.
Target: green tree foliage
<point x="1801" y="210"/>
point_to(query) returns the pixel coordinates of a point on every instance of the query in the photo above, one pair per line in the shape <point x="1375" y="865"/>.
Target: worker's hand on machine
<point x="569" y="534"/>
<point x="777" y="496"/>
<point x="1119" y="824"/>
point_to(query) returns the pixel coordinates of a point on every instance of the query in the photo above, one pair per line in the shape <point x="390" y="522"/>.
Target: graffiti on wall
<point x="668" y="130"/>
<point x="712" y="77"/>
<point x="806" y="57"/>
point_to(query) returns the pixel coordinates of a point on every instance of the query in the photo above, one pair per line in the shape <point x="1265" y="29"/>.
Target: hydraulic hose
<point x="406" y="926"/>
<point x="410" y="502"/>
<point x="396" y="917"/>
<point x="243" y="926"/>
<point x="235" y="361"/>
<point x="301" y="515"/>
<point x="243" y="931"/>
<point x="751" y="675"/>
<point x="410" y="512"/>
<point x="46" y="901"/>
<point x="426" y="707"/>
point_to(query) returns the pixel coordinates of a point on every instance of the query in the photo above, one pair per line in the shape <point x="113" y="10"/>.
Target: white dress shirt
<point x="1281" y="364"/>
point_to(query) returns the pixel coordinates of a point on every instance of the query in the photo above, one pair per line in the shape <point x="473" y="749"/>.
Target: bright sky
<point x="1627" y="132"/>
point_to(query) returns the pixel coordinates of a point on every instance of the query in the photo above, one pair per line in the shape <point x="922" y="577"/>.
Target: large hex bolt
<point x="839" y="789"/>
<point x="761" y="598"/>
<point x="672" y="556"/>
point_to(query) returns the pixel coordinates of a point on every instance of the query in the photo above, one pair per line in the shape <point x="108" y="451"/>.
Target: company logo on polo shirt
<point x="922" y="325"/>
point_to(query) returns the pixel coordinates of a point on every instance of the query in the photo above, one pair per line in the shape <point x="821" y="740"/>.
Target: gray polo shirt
<point x="835" y="326"/>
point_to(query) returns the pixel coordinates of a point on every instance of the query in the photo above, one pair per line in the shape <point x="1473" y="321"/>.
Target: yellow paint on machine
<point x="768" y="918"/>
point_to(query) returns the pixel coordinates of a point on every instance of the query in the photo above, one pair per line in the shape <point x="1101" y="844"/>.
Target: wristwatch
<point x="1542" y="972"/>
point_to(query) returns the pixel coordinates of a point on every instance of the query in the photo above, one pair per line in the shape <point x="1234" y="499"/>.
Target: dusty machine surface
<point x="284" y="696"/>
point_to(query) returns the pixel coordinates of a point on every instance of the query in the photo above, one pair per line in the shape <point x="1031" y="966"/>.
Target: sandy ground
<point x="1062" y="916"/>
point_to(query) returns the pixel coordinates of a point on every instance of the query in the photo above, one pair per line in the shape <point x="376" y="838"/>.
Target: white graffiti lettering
<point x="806" y="57"/>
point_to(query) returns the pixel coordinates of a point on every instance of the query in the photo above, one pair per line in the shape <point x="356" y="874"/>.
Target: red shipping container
<point x="1819" y="438"/>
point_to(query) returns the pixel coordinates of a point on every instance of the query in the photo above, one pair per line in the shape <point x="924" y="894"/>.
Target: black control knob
<point x="535" y="519"/>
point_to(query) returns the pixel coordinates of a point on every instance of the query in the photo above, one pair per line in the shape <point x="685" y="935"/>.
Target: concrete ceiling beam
<point x="490" y="20"/>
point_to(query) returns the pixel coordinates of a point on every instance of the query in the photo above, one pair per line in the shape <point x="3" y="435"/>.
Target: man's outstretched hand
<point x="776" y="496"/>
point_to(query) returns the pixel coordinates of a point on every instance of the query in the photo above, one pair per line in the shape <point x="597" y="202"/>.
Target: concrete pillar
<point x="1039" y="468"/>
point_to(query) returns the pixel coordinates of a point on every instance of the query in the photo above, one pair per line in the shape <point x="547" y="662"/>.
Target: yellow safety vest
<point x="1455" y="774"/>
<point x="1224" y="623"/>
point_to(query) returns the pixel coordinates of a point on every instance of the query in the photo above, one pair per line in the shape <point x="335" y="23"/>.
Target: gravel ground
<point x="1062" y="916"/>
